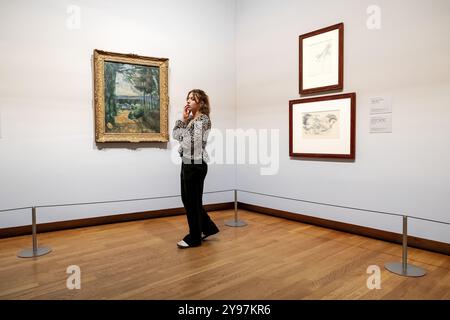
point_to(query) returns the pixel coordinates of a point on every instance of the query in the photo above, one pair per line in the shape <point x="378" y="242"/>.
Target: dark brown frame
<point x="340" y="84"/>
<point x="351" y="155"/>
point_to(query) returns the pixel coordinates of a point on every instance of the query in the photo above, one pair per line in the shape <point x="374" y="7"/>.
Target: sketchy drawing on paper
<point x="321" y="61"/>
<point x="321" y="125"/>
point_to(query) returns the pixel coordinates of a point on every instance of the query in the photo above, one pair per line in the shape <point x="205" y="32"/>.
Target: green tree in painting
<point x="152" y="116"/>
<point x="110" y="95"/>
<point x="154" y="89"/>
<point x="145" y="80"/>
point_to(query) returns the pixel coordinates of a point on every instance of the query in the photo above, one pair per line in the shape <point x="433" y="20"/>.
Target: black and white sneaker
<point x="182" y="244"/>
<point x="188" y="243"/>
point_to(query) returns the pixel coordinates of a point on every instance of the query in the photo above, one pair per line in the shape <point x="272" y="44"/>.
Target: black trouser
<point x="192" y="181"/>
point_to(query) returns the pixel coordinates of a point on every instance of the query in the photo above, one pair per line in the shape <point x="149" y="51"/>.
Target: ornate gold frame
<point x="99" y="88"/>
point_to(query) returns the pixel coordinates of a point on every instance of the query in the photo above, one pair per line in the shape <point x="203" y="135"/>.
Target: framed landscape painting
<point x="131" y="98"/>
<point x="321" y="60"/>
<point x="323" y="127"/>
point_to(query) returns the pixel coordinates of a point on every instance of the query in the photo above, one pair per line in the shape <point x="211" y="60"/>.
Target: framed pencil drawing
<point x="323" y="127"/>
<point x="131" y="98"/>
<point x="321" y="60"/>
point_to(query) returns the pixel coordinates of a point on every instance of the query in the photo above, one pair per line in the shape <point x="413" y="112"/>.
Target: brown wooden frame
<point x="340" y="84"/>
<point x="351" y="155"/>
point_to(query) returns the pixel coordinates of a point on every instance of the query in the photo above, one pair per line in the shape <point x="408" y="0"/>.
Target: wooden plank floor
<point x="271" y="258"/>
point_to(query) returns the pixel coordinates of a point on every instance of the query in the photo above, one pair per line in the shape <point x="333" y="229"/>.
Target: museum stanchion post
<point x="403" y="268"/>
<point x="236" y="222"/>
<point x="35" y="251"/>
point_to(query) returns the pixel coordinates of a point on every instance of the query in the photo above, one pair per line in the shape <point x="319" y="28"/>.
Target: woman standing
<point x="192" y="133"/>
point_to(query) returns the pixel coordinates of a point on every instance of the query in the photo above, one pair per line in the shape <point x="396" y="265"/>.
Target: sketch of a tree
<point x="321" y="58"/>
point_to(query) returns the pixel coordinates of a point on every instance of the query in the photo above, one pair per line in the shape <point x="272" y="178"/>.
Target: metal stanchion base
<point x="30" y="253"/>
<point x="235" y="223"/>
<point x="411" y="271"/>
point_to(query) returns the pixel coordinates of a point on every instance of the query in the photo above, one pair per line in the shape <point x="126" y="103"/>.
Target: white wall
<point x="47" y="150"/>
<point x="404" y="172"/>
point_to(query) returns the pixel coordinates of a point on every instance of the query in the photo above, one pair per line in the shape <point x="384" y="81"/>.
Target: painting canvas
<point x="130" y="97"/>
<point x="323" y="127"/>
<point x="321" y="60"/>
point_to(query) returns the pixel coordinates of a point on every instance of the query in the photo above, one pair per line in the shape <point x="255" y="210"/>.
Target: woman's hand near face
<point x="186" y="112"/>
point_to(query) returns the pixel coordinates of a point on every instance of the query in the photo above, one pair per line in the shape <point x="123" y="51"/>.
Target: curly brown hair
<point x="201" y="97"/>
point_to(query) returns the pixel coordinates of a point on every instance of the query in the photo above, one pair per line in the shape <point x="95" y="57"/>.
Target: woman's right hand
<point x="186" y="113"/>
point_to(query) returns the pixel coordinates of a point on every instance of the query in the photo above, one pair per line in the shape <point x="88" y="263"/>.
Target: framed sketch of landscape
<point x="323" y="127"/>
<point x="321" y="62"/>
<point x="131" y="98"/>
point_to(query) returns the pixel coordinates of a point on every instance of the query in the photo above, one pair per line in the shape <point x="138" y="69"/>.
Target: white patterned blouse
<point x="193" y="135"/>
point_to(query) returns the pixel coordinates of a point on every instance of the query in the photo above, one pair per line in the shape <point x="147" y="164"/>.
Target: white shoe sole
<point x="182" y="244"/>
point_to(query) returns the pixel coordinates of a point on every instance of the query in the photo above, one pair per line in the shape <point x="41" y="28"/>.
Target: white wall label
<point x="380" y="104"/>
<point x="381" y="123"/>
